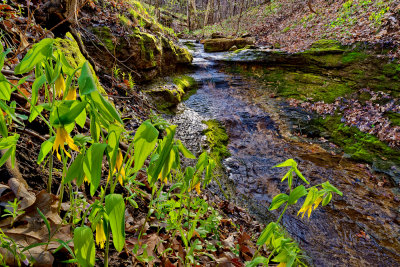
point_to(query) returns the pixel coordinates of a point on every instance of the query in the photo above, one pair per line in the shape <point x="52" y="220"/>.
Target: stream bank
<point x="357" y="229"/>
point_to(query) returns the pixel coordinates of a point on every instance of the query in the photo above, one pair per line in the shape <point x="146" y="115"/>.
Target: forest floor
<point x="293" y="26"/>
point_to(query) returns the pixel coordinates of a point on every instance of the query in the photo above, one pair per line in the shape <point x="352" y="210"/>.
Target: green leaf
<point x="45" y="148"/>
<point x="5" y="156"/>
<point x="278" y="201"/>
<point x="166" y="144"/>
<point x="186" y="153"/>
<point x="327" y="199"/>
<point x="115" y="208"/>
<point x="86" y="82"/>
<point x="331" y="188"/>
<point x="3" y="125"/>
<point x="67" y="112"/>
<point x="300" y="175"/>
<point x="85" y="250"/>
<point x="144" y="142"/>
<point x="5" y="88"/>
<point x="76" y="171"/>
<point x="297" y="193"/>
<point x="110" y="109"/>
<point x="202" y="162"/>
<point x="35" y="111"/>
<point x="257" y="261"/>
<point x="46" y="222"/>
<point x="37" y="84"/>
<point x="81" y="119"/>
<point x="287" y="163"/>
<point x="94" y="127"/>
<point x="92" y="165"/>
<point x="266" y="234"/>
<point x="38" y="53"/>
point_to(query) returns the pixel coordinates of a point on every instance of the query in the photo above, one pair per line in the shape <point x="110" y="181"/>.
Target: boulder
<point x="224" y="44"/>
<point x="233" y="48"/>
<point x="217" y="35"/>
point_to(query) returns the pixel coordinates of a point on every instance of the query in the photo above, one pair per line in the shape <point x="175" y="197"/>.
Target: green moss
<point x="360" y="146"/>
<point x="105" y="35"/>
<point x="184" y="82"/>
<point x="74" y="56"/>
<point x="391" y="69"/>
<point x="394" y="118"/>
<point x="217" y="139"/>
<point x="325" y="44"/>
<point x="353" y="57"/>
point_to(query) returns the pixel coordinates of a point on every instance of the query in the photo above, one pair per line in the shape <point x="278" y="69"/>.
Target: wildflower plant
<point x="284" y="250"/>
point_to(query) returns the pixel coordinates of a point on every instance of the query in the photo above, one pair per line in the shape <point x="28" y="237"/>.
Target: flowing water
<point x="362" y="228"/>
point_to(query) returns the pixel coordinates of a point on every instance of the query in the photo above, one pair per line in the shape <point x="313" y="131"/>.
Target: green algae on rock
<point x="217" y="139"/>
<point x="224" y="44"/>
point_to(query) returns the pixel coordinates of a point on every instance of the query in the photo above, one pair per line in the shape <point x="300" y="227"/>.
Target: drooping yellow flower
<point x="196" y="187"/>
<point x="119" y="167"/>
<point x="71" y="94"/>
<point x="281" y="264"/>
<point x="62" y="137"/>
<point x="85" y="180"/>
<point x="100" y="235"/>
<point x="305" y="209"/>
<point x="60" y="85"/>
<point x="317" y="202"/>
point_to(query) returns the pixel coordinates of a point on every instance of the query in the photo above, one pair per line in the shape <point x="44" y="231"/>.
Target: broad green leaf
<point x="331" y="188"/>
<point x="85" y="250"/>
<point x="209" y="171"/>
<point x="92" y="165"/>
<point x="45" y="148"/>
<point x="257" y="261"/>
<point x="114" y="133"/>
<point x="110" y="109"/>
<point x="186" y="153"/>
<point x="35" y="111"/>
<point x="327" y="199"/>
<point x="94" y="127"/>
<point x="144" y="142"/>
<point x="5" y="156"/>
<point x="37" y="84"/>
<point x="287" y="163"/>
<point x="76" y="171"/>
<point x="64" y="115"/>
<point x="81" y="119"/>
<point x="38" y="53"/>
<point x="115" y="208"/>
<point x="5" y="88"/>
<point x="297" y="193"/>
<point x="3" y="125"/>
<point x="86" y="82"/>
<point x="266" y="234"/>
<point x="167" y="145"/>
<point x="278" y="201"/>
<point x="202" y="162"/>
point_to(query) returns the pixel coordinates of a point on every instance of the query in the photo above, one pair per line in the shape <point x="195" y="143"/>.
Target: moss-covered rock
<point x="169" y="95"/>
<point x="70" y="48"/>
<point x="358" y="145"/>
<point x="217" y="139"/>
<point x="224" y="44"/>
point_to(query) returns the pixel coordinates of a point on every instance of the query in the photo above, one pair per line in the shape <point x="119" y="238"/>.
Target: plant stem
<point x="280" y="216"/>
<point x="50" y="171"/>
<point x="62" y="182"/>
<point x="107" y="246"/>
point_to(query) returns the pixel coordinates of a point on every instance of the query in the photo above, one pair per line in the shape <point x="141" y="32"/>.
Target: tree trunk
<point x="71" y="10"/>
<point x="240" y="16"/>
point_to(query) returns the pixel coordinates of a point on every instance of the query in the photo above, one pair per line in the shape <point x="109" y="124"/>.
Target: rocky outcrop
<point x="224" y="44"/>
<point x="145" y="55"/>
<point x="324" y="72"/>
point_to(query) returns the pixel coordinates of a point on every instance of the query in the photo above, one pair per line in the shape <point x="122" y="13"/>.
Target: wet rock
<point x="217" y="35"/>
<point x="224" y="44"/>
<point x="233" y="48"/>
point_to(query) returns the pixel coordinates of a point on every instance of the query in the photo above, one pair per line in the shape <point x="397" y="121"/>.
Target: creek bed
<point x="362" y="228"/>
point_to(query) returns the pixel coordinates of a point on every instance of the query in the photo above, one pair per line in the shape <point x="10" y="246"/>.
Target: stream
<point x="362" y="228"/>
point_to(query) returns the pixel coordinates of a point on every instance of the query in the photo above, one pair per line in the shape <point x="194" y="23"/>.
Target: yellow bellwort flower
<point x="281" y="264"/>
<point x="309" y="208"/>
<point x="60" y="85"/>
<point x="71" y="94"/>
<point x="119" y="167"/>
<point x="62" y="137"/>
<point x="100" y="235"/>
<point x="196" y="187"/>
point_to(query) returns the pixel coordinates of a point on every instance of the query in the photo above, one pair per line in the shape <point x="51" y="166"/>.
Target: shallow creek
<point x="362" y="228"/>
